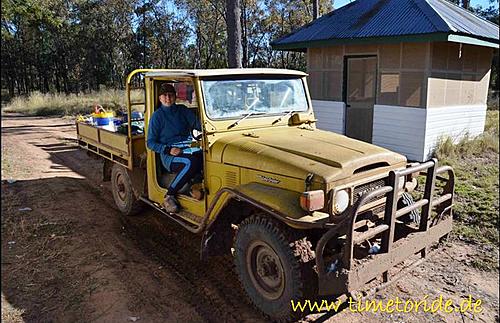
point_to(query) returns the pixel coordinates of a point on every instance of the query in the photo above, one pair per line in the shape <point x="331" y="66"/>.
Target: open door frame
<point x="345" y="84"/>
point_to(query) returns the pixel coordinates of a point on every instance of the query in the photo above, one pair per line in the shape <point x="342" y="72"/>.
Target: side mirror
<point x="299" y="118"/>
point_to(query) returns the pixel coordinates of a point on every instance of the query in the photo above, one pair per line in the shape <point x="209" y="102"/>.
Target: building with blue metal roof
<point x="381" y="20"/>
<point x="398" y="73"/>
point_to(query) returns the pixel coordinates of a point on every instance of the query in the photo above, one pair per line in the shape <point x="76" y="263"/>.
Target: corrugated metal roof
<point x="463" y="21"/>
<point x="390" y="18"/>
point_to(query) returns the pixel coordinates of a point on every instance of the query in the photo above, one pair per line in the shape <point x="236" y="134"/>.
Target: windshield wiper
<point x="283" y="116"/>
<point x="246" y="115"/>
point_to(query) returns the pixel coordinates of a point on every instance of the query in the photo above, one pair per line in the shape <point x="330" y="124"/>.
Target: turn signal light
<point x="312" y="200"/>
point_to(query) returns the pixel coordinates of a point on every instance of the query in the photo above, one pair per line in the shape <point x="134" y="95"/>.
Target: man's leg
<point x="186" y="166"/>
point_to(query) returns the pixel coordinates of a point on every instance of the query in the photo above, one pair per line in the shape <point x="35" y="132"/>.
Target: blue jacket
<point x="171" y="127"/>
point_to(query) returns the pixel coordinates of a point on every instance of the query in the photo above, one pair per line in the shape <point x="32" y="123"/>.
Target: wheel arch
<point x="240" y="203"/>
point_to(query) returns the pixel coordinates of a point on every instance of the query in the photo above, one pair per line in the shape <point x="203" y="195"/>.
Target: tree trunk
<point x="46" y="87"/>
<point x="244" y="34"/>
<point x="197" y="62"/>
<point x="11" y="84"/>
<point x="233" y="10"/>
<point x="57" y="80"/>
<point x="315" y="4"/>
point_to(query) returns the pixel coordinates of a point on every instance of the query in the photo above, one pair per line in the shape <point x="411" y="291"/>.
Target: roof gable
<point x="365" y="19"/>
<point x="463" y="21"/>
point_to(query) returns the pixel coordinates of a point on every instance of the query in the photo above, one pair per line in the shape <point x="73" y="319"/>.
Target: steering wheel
<point x="197" y="135"/>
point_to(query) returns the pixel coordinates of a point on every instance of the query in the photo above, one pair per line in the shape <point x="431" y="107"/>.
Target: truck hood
<point x="295" y="152"/>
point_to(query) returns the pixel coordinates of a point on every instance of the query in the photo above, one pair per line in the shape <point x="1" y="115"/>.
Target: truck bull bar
<point x="352" y="274"/>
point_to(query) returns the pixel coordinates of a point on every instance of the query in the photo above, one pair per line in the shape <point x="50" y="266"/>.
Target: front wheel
<point x="268" y="270"/>
<point x="123" y="192"/>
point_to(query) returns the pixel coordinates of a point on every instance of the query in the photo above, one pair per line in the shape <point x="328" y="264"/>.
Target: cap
<point x="166" y="88"/>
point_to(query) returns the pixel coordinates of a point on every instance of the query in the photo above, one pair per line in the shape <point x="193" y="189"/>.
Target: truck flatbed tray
<point x="108" y="144"/>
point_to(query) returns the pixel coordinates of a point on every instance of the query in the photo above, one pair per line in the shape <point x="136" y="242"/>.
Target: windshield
<point x="230" y="99"/>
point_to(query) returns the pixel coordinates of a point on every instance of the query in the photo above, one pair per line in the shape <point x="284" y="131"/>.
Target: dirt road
<point x="68" y="255"/>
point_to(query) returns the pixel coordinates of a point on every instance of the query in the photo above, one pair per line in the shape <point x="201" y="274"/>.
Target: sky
<point x="473" y="3"/>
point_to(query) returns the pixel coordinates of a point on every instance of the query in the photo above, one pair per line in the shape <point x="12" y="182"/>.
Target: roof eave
<point x="432" y="37"/>
<point x="465" y="39"/>
<point x="302" y="46"/>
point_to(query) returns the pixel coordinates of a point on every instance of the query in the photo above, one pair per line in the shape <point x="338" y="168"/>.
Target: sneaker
<point x="171" y="205"/>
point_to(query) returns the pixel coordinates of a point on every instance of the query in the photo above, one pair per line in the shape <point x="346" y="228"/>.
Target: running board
<point x="172" y="216"/>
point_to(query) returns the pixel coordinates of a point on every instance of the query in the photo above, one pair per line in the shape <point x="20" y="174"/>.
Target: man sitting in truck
<point x="170" y="135"/>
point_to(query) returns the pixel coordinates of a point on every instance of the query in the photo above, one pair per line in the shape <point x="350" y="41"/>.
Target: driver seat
<point x="164" y="177"/>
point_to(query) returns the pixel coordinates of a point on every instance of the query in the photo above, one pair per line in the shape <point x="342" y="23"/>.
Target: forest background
<point x="75" y="46"/>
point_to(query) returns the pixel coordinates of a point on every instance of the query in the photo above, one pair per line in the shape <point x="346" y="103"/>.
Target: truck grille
<point x="367" y="188"/>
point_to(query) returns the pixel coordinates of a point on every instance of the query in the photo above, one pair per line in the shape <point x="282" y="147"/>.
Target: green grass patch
<point x="38" y="104"/>
<point x="475" y="161"/>
<point x="484" y="263"/>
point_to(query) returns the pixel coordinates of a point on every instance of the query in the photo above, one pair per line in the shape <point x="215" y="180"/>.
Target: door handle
<point x="348" y="105"/>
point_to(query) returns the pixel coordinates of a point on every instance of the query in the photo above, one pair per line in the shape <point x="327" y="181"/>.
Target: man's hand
<point x="174" y="151"/>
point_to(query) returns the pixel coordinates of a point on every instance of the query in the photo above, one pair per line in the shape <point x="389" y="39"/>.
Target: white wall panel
<point x="414" y="132"/>
<point x="454" y="122"/>
<point x="400" y="129"/>
<point x="330" y="115"/>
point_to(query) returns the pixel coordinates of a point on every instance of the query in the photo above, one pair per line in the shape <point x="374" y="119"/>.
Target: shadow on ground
<point x="69" y="255"/>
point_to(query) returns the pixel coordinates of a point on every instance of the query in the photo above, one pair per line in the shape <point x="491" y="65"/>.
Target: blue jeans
<point x="186" y="166"/>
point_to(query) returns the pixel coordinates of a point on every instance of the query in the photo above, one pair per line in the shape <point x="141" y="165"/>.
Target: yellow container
<point x="102" y="118"/>
<point x="103" y="114"/>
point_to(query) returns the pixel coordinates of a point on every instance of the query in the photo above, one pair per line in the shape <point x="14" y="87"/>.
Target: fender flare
<point x="276" y="202"/>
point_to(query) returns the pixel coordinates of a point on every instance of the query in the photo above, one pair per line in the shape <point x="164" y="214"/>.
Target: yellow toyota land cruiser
<point x="304" y="212"/>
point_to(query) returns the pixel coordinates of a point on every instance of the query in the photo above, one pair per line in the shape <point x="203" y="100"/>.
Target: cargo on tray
<point x="103" y="118"/>
<point x="107" y="120"/>
<point x="105" y="132"/>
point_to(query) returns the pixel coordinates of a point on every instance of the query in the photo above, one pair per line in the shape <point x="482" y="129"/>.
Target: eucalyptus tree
<point x="233" y="23"/>
<point x="28" y="37"/>
<point x="207" y="27"/>
<point x="169" y="38"/>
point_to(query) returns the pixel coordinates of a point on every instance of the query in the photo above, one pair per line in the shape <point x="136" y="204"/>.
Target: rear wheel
<point x="268" y="270"/>
<point x="123" y="192"/>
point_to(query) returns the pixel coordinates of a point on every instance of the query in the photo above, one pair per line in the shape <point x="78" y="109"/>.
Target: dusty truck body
<point x="304" y="212"/>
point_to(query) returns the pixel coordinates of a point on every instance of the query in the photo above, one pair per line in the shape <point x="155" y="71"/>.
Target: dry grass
<point x="38" y="104"/>
<point x="475" y="161"/>
<point x="11" y="314"/>
<point x="484" y="143"/>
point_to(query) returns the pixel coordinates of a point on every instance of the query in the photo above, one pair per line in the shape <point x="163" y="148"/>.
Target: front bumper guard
<point x="353" y="274"/>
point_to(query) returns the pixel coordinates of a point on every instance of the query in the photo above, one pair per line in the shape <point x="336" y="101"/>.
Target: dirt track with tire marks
<point x="74" y="257"/>
<point x="153" y="262"/>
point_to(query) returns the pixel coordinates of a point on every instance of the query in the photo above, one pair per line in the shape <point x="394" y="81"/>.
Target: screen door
<point x="360" y="96"/>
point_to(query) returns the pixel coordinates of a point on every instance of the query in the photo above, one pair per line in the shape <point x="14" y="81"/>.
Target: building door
<point x="361" y="76"/>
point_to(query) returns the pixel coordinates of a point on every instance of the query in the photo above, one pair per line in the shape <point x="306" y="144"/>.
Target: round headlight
<point x="340" y="201"/>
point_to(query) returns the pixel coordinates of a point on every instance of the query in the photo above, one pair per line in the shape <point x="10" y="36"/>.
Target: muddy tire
<point x="123" y="193"/>
<point x="268" y="270"/>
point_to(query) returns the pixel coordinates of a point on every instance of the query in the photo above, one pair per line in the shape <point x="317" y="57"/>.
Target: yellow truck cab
<point x="304" y="212"/>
